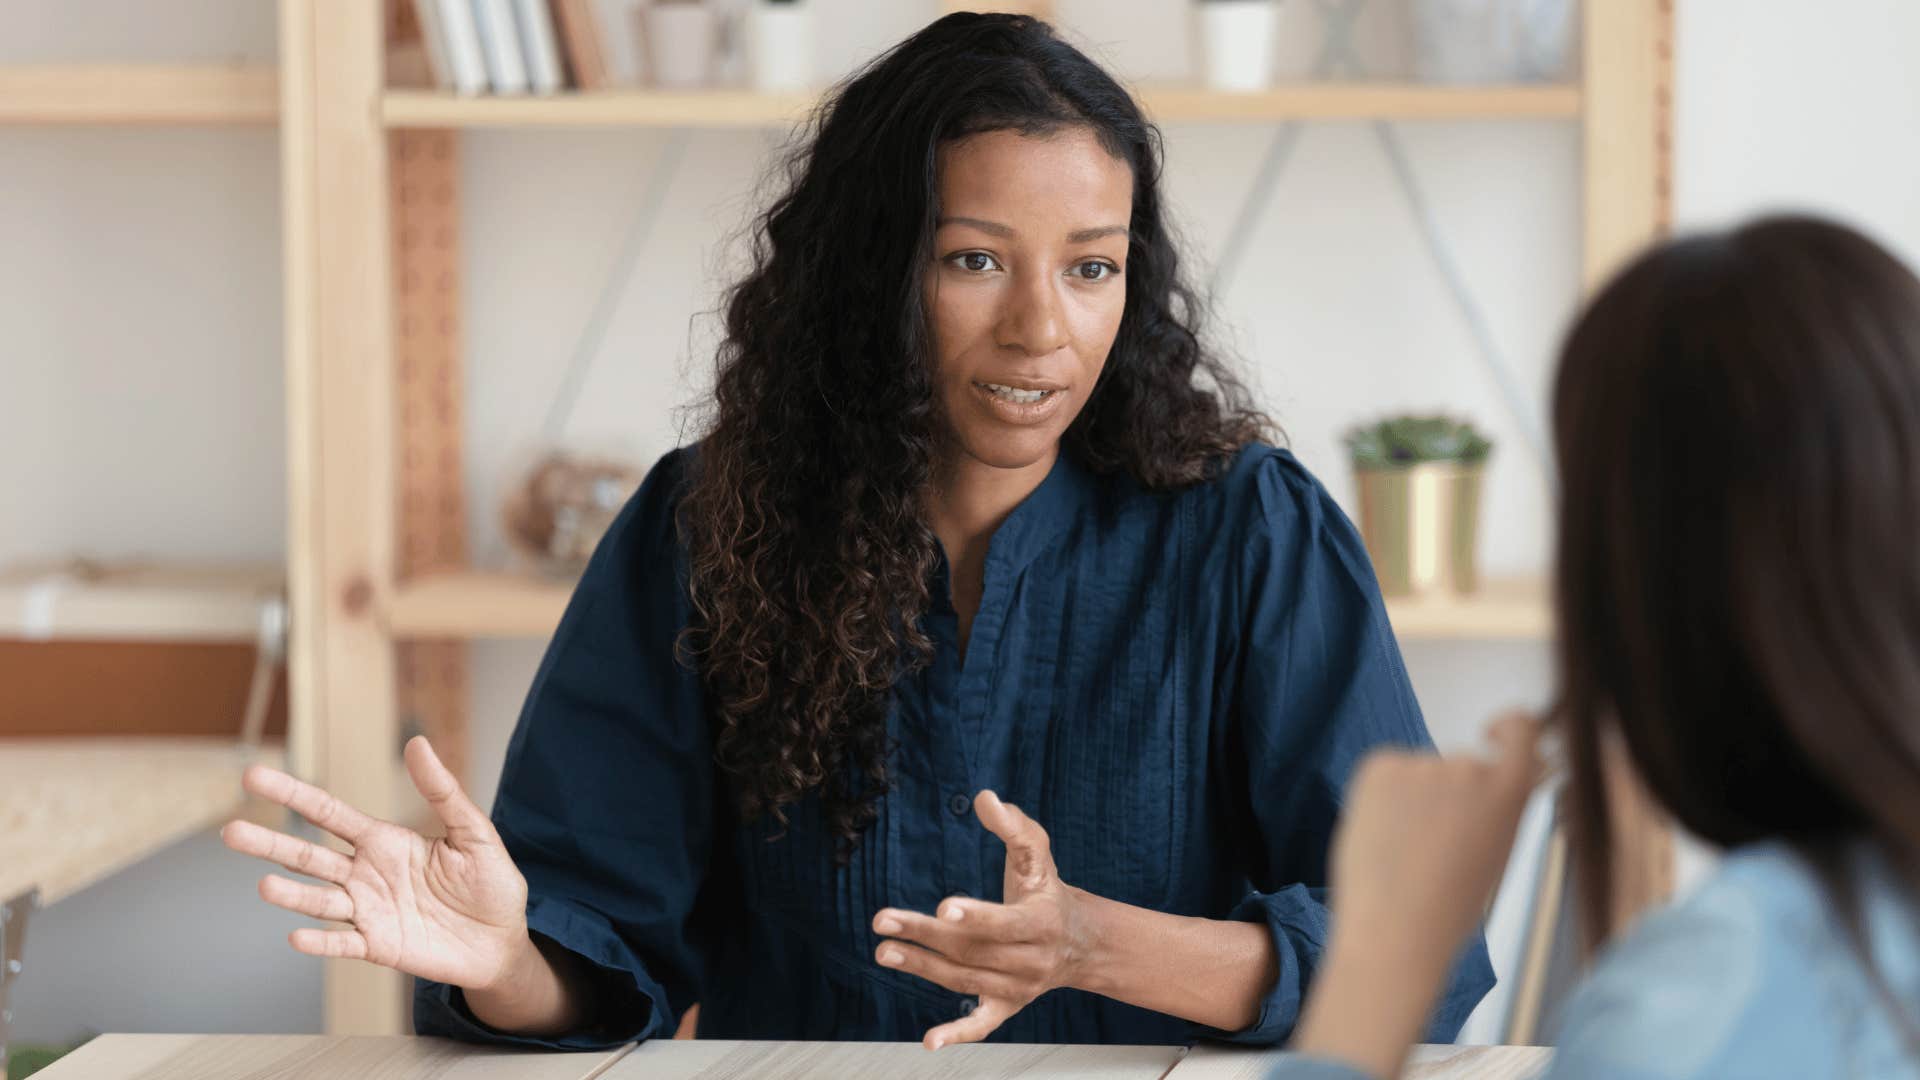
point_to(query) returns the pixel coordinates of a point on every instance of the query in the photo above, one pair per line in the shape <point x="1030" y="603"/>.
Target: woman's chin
<point x="1021" y="449"/>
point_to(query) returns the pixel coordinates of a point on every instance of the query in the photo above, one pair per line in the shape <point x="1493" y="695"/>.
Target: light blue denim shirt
<point x="1752" y="976"/>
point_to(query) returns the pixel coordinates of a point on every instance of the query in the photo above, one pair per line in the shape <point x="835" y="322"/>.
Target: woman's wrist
<point x="530" y="995"/>
<point x="1209" y="971"/>
<point x="520" y="959"/>
<point x="1092" y="967"/>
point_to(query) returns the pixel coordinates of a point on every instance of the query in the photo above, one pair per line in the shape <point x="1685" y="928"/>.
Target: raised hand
<point x="1424" y="839"/>
<point x="1005" y="954"/>
<point x="1418" y="851"/>
<point x="449" y="909"/>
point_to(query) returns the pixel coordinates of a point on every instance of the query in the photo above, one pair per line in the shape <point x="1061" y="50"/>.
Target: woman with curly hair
<point x="975" y="515"/>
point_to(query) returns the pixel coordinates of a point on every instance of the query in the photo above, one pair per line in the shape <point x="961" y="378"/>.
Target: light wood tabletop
<point x="1427" y="1063"/>
<point x="717" y="1059"/>
<point x="313" y="1057"/>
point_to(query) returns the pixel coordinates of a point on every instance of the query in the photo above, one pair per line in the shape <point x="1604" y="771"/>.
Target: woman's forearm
<point x="1371" y="999"/>
<point x="1209" y="971"/>
<point x="541" y="993"/>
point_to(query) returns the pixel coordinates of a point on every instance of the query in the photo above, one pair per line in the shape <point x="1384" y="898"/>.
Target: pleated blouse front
<point x="1175" y="686"/>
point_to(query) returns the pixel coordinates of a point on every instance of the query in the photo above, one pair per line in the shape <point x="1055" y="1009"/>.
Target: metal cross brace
<point x="1336" y="54"/>
<point x="13" y="933"/>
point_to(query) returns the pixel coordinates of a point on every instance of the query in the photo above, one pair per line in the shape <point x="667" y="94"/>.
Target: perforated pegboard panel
<point x="432" y="512"/>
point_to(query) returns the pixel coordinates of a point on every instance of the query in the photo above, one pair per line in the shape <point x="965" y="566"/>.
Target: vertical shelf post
<point x="340" y="404"/>
<point x="1628" y="186"/>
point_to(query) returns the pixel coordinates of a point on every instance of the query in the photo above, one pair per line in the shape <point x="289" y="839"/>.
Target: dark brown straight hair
<point x="1737" y="421"/>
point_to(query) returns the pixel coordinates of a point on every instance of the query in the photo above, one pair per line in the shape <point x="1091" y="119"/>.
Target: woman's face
<point x="1027" y="287"/>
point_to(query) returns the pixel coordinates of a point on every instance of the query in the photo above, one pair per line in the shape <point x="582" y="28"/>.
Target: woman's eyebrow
<point x="1078" y="236"/>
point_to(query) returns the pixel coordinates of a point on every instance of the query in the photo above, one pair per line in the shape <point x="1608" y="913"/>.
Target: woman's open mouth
<point x="1015" y="394"/>
<point x="1019" y="404"/>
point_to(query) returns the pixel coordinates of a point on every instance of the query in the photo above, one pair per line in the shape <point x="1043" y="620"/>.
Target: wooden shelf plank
<point x="1361" y="101"/>
<point x="469" y="604"/>
<point x="1516" y="609"/>
<point x="1167" y="104"/>
<point x="74" y="811"/>
<point x="609" y="108"/>
<point x="136" y="602"/>
<point x="139" y="94"/>
<point x="481" y="605"/>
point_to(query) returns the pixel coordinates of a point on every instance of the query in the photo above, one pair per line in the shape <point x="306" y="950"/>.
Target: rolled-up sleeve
<point x="606" y="801"/>
<point x="1322" y="683"/>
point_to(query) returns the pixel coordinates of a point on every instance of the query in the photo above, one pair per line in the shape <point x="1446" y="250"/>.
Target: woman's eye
<point x="978" y="262"/>
<point x="1096" y="271"/>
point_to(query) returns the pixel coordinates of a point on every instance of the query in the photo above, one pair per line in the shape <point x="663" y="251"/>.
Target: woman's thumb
<point x="437" y="784"/>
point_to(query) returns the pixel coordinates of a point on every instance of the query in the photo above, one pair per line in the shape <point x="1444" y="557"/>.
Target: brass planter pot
<point x="1421" y="524"/>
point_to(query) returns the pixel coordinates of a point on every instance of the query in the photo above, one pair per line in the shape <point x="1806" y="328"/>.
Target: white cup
<point x="780" y="42"/>
<point x="1236" y="43"/>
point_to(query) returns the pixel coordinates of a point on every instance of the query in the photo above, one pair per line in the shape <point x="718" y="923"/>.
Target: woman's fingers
<point x="1029" y="851"/>
<point x="959" y="922"/>
<point x="935" y="968"/>
<point x="345" y="944"/>
<point x="464" y="820"/>
<point x="312" y="803"/>
<point x="297" y="855"/>
<point x="1515" y="740"/>
<point x="314" y="901"/>
<point x="973" y="1027"/>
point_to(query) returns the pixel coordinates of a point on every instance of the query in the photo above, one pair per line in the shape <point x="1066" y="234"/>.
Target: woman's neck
<point x="965" y="504"/>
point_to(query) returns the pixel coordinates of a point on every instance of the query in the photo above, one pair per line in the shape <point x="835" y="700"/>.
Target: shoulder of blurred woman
<point x="1752" y="974"/>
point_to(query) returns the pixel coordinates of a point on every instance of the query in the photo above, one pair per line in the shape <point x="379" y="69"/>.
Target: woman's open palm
<point x="449" y="909"/>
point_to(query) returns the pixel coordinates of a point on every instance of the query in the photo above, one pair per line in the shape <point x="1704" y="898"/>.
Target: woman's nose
<point x="1033" y="321"/>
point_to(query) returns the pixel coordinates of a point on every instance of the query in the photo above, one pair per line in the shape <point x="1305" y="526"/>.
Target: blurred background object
<point x="556" y="515"/>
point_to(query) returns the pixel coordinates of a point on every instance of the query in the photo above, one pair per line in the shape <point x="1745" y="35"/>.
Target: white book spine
<point x="465" y="59"/>
<point x="542" y="46"/>
<point x="506" y="66"/>
<point x="427" y="13"/>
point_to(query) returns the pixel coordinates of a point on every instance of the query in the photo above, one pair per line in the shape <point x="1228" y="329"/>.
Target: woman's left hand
<point x="1005" y="954"/>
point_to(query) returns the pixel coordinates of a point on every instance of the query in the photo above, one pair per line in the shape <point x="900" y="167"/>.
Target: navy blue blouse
<point x="1175" y="686"/>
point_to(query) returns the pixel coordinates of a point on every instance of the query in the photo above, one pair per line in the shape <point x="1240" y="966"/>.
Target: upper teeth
<point x="1015" y="394"/>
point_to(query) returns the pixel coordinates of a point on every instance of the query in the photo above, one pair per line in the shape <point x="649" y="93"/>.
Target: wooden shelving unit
<point x="402" y="109"/>
<point x="377" y="564"/>
<point x="76" y="810"/>
<point x="83" y="94"/>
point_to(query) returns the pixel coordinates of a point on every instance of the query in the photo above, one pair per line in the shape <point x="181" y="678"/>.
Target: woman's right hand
<point x="452" y="909"/>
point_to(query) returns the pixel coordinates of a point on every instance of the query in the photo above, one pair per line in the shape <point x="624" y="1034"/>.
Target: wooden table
<point x="300" y="1057"/>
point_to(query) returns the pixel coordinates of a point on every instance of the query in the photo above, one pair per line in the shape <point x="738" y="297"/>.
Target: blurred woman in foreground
<point x="1737" y="419"/>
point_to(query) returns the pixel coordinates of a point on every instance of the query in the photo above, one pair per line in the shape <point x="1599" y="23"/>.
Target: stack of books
<point x="513" y="46"/>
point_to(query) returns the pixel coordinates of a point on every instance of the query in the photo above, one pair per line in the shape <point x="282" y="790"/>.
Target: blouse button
<point x="966" y="1007"/>
<point x="959" y="804"/>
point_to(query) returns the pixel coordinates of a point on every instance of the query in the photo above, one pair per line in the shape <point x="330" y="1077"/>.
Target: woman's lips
<point x="1006" y="403"/>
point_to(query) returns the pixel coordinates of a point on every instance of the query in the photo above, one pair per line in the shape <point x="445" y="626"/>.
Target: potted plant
<point x="1236" y="43"/>
<point x="1419" y="481"/>
<point x="780" y="44"/>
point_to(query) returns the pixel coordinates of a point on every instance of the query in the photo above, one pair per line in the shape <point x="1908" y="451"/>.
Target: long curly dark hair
<point x="809" y="554"/>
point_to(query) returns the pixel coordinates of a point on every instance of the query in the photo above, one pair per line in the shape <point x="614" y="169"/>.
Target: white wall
<point x="140" y="410"/>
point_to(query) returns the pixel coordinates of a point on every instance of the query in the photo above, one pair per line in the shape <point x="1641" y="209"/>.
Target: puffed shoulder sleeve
<point x="1322" y="683"/>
